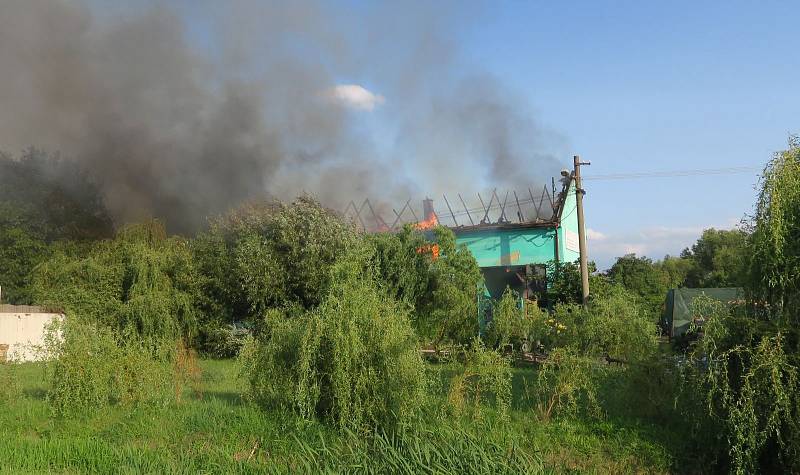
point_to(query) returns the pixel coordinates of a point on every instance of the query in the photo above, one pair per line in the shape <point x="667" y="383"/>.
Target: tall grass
<point x="218" y="433"/>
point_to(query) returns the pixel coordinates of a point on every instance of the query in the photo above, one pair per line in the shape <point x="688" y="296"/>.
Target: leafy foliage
<point x="51" y="197"/>
<point x="20" y="252"/>
<point x="288" y="262"/>
<point x="267" y="255"/>
<point x="141" y="281"/>
<point x="675" y="270"/>
<point x="91" y="367"/>
<point x="352" y="361"/>
<point x="612" y="326"/>
<point x="718" y="258"/>
<point x="404" y="270"/>
<point x="564" y="283"/>
<point x="775" y="249"/>
<point x="449" y="312"/>
<point x="747" y="358"/>
<point x="643" y="278"/>
<point x="515" y="325"/>
<point x="565" y="380"/>
<point x="485" y="379"/>
<point x="43" y="199"/>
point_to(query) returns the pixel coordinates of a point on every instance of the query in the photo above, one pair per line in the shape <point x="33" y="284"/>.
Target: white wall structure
<point x="22" y="328"/>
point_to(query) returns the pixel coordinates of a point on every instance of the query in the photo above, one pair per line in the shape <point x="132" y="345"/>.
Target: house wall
<point x="569" y="250"/>
<point x="493" y="247"/>
<point x="509" y="247"/>
<point x="24" y="331"/>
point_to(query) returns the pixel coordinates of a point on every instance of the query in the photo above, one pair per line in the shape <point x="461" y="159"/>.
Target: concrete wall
<point x="23" y="331"/>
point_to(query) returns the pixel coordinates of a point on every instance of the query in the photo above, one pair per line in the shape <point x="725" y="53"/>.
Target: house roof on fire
<point x="508" y="209"/>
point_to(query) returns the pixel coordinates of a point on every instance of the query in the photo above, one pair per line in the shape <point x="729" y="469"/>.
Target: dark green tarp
<point x="677" y="313"/>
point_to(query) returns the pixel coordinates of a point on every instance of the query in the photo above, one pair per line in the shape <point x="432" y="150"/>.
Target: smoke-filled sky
<point x="184" y="110"/>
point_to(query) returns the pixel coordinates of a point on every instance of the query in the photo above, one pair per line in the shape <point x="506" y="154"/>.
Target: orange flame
<point x="430" y="222"/>
<point x="433" y="249"/>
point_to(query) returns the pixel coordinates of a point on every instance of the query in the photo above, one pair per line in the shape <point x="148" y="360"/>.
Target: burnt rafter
<point x="530" y="209"/>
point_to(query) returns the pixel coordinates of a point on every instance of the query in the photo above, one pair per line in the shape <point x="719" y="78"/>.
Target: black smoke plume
<point x="184" y="111"/>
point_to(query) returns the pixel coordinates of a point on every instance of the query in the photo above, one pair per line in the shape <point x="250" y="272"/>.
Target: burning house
<point x="513" y="236"/>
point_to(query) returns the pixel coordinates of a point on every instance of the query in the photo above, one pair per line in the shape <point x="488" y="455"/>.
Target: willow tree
<point x="141" y="281"/>
<point x="752" y="382"/>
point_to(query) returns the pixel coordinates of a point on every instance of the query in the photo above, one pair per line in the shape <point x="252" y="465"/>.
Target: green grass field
<point x="219" y="432"/>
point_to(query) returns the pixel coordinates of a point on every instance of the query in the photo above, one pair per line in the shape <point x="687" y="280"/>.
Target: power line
<point x="674" y="173"/>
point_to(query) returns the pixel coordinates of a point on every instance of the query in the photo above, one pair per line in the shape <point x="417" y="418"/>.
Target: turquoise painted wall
<point x="509" y="247"/>
<point x="521" y="246"/>
<point x="568" y="231"/>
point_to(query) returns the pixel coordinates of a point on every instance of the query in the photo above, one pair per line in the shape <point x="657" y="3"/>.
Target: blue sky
<point x="649" y="86"/>
<point x="632" y="86"/>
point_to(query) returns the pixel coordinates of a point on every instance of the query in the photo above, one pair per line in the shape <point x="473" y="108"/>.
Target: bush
<point x="20" y="251"/>
<point x="514" y="325"/>
<point x="749" y="375"/>
<point x="404" y="271"/>
<point x="89" y="367"/>
<point x="449" y="312"/>
<point x="225" y="341"/>
<point x="746" y="361"/>
<point x="141" y="281"/>
<point x="286" y="261"/>
<point x="352" y="362"/>
<point x="613" y="325"/>
<point x="486" y="378"/>
<point x="566" y="379"/>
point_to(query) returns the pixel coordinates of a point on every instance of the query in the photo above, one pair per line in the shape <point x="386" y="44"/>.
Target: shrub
<point x="449" y="312"/>
<point x="20" y="251"/>
<point x="402" y="269"/>
<point x="89" y="367"/>
<point x="485" y="379"/>
<point x="353" y="361"/>
<point x="286" y="260"/>
<point x="746" y="361"/>
<point x="225" y="341"/>
<point x="513" y="324"/>
<point x="613" y="325"/>
<point x="749" y="375"/>
<point x="564" y="380"/>
<point x="141" y="281"/>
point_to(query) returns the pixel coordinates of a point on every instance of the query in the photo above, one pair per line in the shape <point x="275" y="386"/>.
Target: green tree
<point x="57" y="198"/>
<point x="676" y="270"/>
<point x="141" y="281"/>
<point x="750" y="371"/>
<point x="403" y="264"/>
<point x="644" y="278"/>
<point x="20" y="252"/>
<point x="449" y="312"/>
<point x="719" y="258"/>
<point x="564" y="283"/>
<point x="352" y="361"/>
<point x="43" y="199"/>
<point x="285" y="260"/>
<point x="266" y="255"/>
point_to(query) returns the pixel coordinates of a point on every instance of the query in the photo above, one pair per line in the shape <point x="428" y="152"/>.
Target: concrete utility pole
<point x="579" y="192"/>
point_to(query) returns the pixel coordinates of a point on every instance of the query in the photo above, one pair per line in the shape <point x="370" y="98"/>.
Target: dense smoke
<point x="186" y="111"/>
